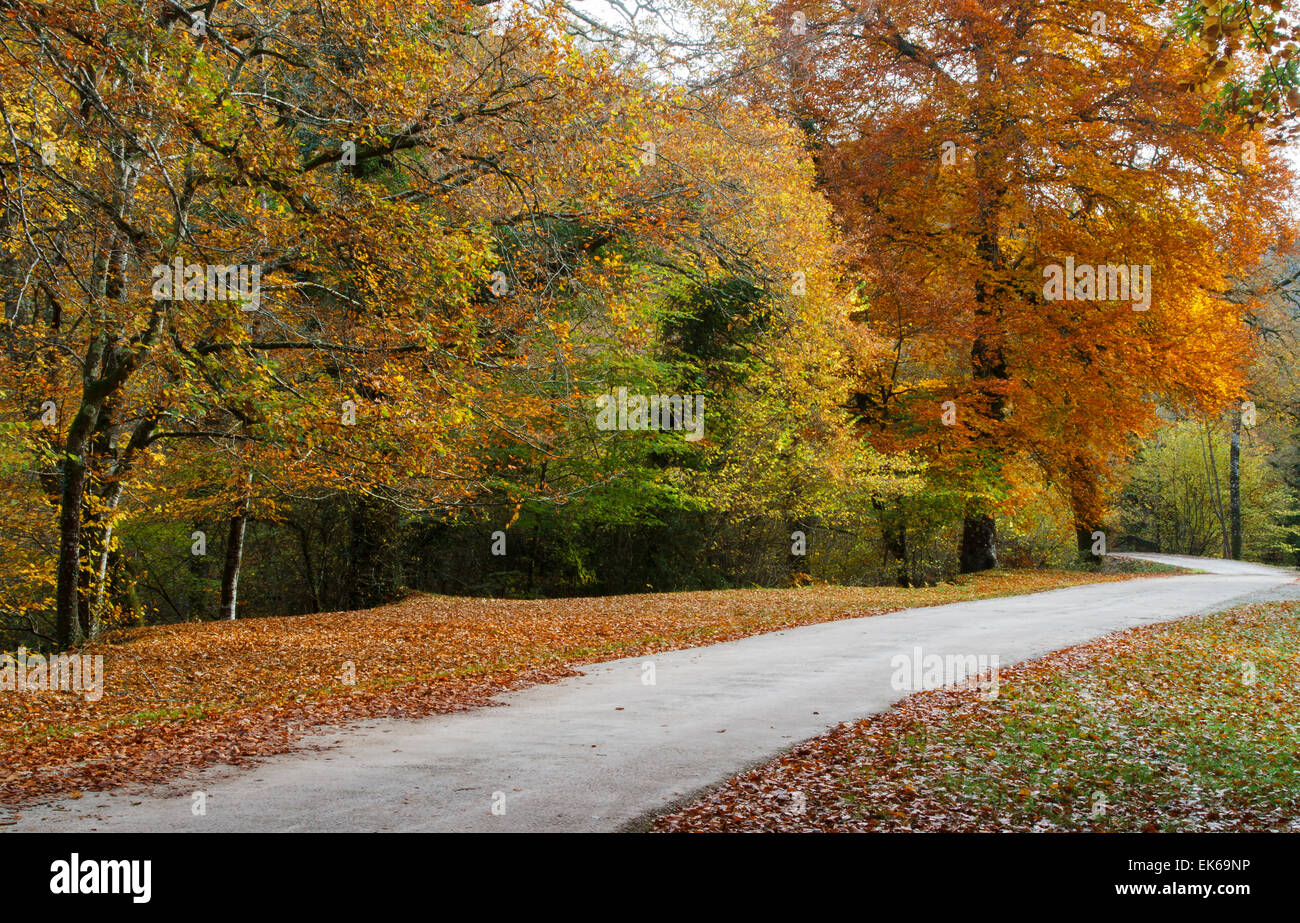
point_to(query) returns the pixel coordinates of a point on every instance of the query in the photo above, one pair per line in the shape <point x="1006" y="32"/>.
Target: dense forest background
<point x="829" y="222"/>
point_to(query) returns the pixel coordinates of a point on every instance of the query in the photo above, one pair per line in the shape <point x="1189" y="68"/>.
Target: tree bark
<point x="101" y="578"/>
<point x="988" y="357"/>
<point x="100" y="541"/>
<point x="234" y="559"/>
<point x="74" y="465"/>
<point x="978" y="543"/>
<point x="1086" y="506"/>
<point x="106" y="367"/>
<point x="234" y="555"/>
<point x="1234" y="485"/>
<point x="893" y="536"/>
<point x="67" y="592"/>
<point x="1083" y="540"/>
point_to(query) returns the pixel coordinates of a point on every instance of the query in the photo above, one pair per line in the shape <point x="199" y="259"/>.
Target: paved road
<point x="1211" y="565"/>
<point x="597" y="751"/>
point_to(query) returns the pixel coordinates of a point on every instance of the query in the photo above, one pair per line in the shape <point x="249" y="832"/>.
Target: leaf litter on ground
<point x="183" y="696"/>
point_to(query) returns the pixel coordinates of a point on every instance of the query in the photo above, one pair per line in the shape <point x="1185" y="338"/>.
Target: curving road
<point x="595" y="752"/>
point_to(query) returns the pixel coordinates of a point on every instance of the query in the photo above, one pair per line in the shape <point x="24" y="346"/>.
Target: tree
<point x="254" y="260"/>
<point x="335" y="163"/>
<point x="1001" y="145"/>
<point x="1173" y="501"/>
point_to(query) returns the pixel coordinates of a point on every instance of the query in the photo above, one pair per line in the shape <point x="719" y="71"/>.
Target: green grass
<point x="1192" y="725"/>
<point x="1167" y="735"/>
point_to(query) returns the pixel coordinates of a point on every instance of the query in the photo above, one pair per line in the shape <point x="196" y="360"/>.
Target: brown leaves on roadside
<point x="179" y="697"/>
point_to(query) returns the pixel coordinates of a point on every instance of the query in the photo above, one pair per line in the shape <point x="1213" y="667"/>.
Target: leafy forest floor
<point x="180" y="697"/>
<point x="1185" y="726"/>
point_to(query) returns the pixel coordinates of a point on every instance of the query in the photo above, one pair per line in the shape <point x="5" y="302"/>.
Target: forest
<point x="309" y="307"/>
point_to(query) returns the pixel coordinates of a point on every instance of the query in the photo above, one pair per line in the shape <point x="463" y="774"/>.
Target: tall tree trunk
<point x="1234" y="485"/>
<point x="1086" y="506"/>
<point x="67" y="592"/>
<point x="988" y="358"/>
<point x="230" y="569"/>
<point x="896" y="541"/>
<point x="235" y="554"/>
<point x="978" y="543"/>
<point x="106" y="367"/>
<point x="102" y="544"/>
<point x="96" y="525"/>
<point x="893" y="534"/>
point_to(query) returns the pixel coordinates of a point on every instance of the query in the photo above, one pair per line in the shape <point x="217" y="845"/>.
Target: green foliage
<point x="1177" y="497"/>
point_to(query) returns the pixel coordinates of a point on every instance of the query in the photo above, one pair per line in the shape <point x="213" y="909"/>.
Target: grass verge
<point x="1188" y="726"/>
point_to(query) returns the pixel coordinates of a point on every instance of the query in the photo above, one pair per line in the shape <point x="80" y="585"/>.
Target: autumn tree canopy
<point x="1004" y="145"/>
<point x="338" y="290"/>
<point x="364" y="247"/>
